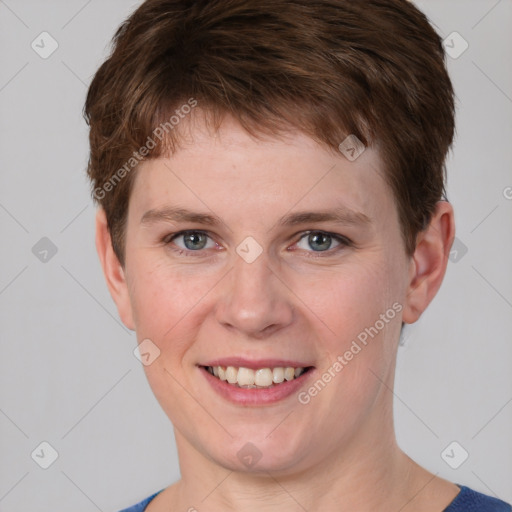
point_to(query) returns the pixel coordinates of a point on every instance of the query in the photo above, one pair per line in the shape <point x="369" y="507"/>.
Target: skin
<point x="339" y="450"/>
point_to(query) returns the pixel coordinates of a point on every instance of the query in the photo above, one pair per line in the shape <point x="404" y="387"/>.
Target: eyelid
<point x="341" y="239"/>
<point x="170" y="237"/>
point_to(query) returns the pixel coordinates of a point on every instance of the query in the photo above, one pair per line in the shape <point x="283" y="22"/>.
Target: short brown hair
<point x="329" y="68"/>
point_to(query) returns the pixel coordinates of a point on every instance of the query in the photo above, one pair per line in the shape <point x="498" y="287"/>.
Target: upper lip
<point x="256" y="363"/>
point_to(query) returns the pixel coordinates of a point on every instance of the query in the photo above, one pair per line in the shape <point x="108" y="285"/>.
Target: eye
<point x="193" y="241"/>
<point x="320" y="241"/>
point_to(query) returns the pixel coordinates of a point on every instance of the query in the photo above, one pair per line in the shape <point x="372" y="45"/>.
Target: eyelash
<point x="342" y="240"/>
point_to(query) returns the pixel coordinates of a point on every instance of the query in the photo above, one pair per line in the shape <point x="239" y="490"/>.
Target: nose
<point x="254" y="300"/>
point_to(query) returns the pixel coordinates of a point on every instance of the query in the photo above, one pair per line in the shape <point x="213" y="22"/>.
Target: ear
<point x="113" y="270"/>
<point x="429" y="261"/>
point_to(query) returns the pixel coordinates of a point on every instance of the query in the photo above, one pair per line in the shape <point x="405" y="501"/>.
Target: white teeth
<point x="245" y="377"/>
<point x="263" y="377"/>
<point x="278" y="375"/>
<point x="249" y="378"/>
<point x="289" y="373"/>
<point x="231" y="374"/>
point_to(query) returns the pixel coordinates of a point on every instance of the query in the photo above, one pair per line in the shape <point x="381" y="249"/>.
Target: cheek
<point x="359" y="344"/>
<point x="166" y="303"/>
<point x="352" y="298"/>
<point x="163" y="294"/>
<point x="358" y="318"/>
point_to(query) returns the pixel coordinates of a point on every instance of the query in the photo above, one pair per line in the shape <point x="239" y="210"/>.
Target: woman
<point x="270" y="181"/>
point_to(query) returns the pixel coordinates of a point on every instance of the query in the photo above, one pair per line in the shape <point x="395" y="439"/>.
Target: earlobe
<point x="113" y="270"/>
<point x="429" y="261"/>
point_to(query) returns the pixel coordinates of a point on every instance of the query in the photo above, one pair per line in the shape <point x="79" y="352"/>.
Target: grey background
<point x="67" y="372"/>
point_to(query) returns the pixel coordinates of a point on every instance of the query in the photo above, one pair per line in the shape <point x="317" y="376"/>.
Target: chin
<point x="257" y="454"/>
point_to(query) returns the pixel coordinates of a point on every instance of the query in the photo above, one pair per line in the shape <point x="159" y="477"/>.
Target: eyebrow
<point x="340" y="215"/>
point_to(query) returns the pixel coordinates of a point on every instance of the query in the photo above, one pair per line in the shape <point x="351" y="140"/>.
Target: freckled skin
<point x="283" y="305"/>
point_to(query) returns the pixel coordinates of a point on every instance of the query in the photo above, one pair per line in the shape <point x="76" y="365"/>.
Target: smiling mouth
<point x="262" y="378"/>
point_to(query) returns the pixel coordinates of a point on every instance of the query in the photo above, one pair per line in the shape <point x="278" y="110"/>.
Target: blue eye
<point x="320" y="241"/>
<point x="195" y="241"/>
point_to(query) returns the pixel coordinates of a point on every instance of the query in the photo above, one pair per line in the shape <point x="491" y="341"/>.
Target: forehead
<point x="231" y="172"/>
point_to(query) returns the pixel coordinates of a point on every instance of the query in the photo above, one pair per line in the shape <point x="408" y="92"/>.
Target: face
<point x="264" y="279"/>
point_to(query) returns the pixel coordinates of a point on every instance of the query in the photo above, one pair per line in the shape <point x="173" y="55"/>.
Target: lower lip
<point x="256" y="396"/>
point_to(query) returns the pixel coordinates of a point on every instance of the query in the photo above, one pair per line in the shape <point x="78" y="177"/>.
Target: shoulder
<point x="141" y="506"/>
<point x="469" y="500"/>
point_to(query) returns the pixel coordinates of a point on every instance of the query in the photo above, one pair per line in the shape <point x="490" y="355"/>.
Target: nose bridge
<point x="253" y="298"/>
<point x="252" y="278"/>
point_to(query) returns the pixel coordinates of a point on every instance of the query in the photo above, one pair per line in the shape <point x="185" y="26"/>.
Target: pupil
<point x="313" y="238"/>
<point x="193" y="238"/>
<point x="321" y="239"/>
